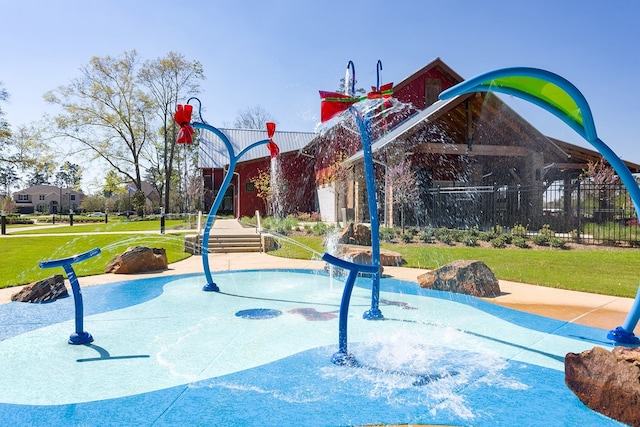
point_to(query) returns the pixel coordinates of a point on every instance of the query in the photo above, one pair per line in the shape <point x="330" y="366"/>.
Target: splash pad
<point x="436" y="358"/>
<point x="509" y="356"/>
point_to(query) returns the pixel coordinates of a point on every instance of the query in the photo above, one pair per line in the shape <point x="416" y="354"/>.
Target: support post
<point x="80" y="336"/>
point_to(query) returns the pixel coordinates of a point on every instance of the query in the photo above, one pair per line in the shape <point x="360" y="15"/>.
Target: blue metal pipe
<point x="364" y="126"/>
<point x="211" y="286"/>
<point x="80" y="336"/>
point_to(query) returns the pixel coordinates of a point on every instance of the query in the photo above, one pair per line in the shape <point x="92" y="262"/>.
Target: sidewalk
<point x="594" y="310"/>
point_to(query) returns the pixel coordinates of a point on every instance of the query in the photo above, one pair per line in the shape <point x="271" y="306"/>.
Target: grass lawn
<point x="112" y="226"/>
<point x="602" y="271"/>
<point x="20" y="256"/>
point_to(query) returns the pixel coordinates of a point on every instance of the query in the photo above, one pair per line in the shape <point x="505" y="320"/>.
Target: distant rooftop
<point x="213" y="152"/>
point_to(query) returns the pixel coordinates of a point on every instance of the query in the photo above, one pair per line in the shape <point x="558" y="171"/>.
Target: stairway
<point x="227" y="243"/>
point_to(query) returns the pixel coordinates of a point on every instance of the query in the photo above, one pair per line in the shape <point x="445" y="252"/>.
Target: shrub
<point x="427" y="235"/>
<point x="470" y="236"/>
<point x="558" y="243"/>
<point x="444" y="235"/>
<point x="520" y="242"/>
<point x="387" y="234"/>
<point x="547" y="231"/>
<point x="540" y="240"/>
<point x="319" y="229"/>
<point x="412" y="231"/>
<point x="499" y="242"/>
<point x="519" y="230"/>
<point x="406" y="238"/>
<point x="470" y="240"/>
<point x="457" y="235"/>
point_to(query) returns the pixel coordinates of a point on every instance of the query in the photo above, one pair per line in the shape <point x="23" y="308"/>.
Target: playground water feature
<point x="259" y="351"/>
<point x="458" y="380"/>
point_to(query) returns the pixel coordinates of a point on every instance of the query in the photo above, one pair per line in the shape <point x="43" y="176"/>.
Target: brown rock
<point x="43" y="290"/>
<point x="463" y="277"/>
<point x="138" y="259"/>
<point x="359" y="234"/>
<point x="362" y="255"/>
<point x="607" y="382"/>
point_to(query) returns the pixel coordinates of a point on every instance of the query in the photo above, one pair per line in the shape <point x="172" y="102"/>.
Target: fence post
<point x="3" y="223"/>
<point x="578" y="214"/>
<point x="494" y="207"/>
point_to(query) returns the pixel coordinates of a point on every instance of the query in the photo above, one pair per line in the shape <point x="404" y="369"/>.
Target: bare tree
<point x="402" y="181"/>
<point x="107" y="113"/>
<point x="253" y="118"/>
<point x="170" y="80"/>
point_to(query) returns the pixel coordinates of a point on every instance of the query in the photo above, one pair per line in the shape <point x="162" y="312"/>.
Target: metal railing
<point x="582" y="211"/>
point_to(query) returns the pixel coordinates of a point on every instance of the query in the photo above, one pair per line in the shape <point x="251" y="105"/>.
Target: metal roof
<point x="213" y="152"/>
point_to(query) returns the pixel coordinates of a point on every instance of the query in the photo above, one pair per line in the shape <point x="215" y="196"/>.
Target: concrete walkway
<point x="594" y="310"/>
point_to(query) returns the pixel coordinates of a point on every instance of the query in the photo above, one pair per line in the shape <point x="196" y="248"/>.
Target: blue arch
<point x="524" y="82"/>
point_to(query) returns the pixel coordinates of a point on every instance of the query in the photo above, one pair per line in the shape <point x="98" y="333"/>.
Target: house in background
<point x="47" y="199"/>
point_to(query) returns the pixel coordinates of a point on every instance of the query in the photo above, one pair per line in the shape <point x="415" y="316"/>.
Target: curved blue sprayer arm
<point x="343" y="357"/>
<point x="233" y="160"/>
<point x="80" y="336"/>
<point x="581" y="121"/>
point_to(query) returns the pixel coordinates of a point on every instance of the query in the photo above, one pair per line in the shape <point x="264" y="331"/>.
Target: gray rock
<point x="463" y="277"/>
<point x="138" y="259"/>
<point x="44" y="290"/>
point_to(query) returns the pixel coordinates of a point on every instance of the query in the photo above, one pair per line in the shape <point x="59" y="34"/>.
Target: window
<point x="41" y="197"/>
<point x="23" y="197"/>
<point x="432" y="89"/>
<point x="249" y="187"/>
<point x="72" y="197"/>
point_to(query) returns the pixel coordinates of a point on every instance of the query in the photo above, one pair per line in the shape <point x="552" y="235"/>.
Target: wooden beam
<point x="478" y="150"/>
<point x="580" y="166"/>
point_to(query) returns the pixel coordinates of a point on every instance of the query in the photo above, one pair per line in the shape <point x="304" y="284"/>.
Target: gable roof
<point x="436" y="63"/>
<point x="213" y="152"/>
<point x="47" y="189"/>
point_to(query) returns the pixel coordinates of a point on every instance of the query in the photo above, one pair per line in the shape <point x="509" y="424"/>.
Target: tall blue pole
<point x="211" y="286"/>
<point x="364" y="125"/>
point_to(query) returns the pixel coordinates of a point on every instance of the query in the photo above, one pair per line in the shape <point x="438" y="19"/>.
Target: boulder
<point x="44" y="290"/>
<point x="463" y="277"/>
<point x="358" y="234"/>
<point x="607" y="381"/>
<point x="138" y="259"/>
<point x="362" y="255"/>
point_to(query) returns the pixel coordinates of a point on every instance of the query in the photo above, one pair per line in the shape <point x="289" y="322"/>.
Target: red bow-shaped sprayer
<point x="273" y="148"/>
<point x="183" y="118"/>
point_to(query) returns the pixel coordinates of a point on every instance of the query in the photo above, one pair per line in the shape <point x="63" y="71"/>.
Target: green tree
<point x="69" y="175"/>
<point x="170" y="80"/>
<point x="5" y="131"/>
<point x="93" y="203"/>
<point x="106" y="112"/>
<point x="41" y="174"/>
<point x="113" y="184"/>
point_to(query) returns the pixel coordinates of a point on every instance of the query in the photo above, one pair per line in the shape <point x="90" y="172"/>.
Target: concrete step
<point x="228" y="243"/>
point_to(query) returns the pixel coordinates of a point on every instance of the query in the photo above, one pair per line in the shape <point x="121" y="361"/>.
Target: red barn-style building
<point x="472" y="155"/>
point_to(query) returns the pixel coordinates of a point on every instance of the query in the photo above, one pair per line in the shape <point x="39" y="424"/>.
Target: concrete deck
<point x="601" y="311"/>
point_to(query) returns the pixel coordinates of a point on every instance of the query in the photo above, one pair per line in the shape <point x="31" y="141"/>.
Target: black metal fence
<point x="582" y="211"/>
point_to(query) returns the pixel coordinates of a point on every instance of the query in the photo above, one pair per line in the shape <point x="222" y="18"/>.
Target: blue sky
<point x="279" y="53"/>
